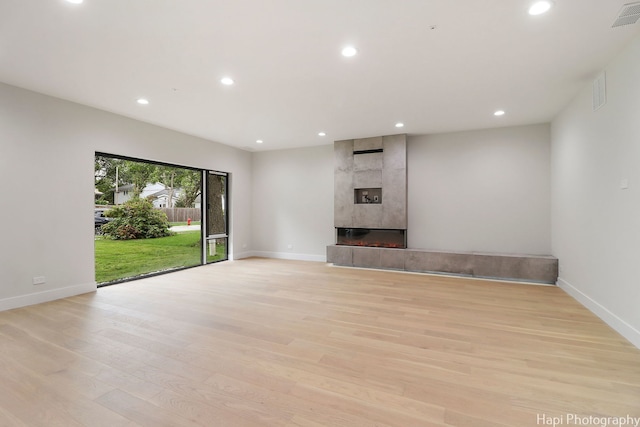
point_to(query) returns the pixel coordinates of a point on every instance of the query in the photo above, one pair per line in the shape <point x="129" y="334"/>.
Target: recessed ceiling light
<point x="499" y="113"/>
<point x="259" y="141"/>
<point x="75" y="1"/>
<point x="322" y="134"/>
<point x="540" y="7"/>
<point x="349" y="51"/>
<point x="143" y="101"/>
<point x="399" y="125"/>
<point x="227" y="81"/>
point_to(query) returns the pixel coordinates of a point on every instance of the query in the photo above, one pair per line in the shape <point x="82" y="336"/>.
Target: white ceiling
<point x="292" y="82"/>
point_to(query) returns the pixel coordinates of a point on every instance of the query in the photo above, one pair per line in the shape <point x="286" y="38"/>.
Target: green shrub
<point x="136" y="219"/>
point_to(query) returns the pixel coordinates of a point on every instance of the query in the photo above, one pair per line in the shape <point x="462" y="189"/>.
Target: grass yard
<point x="119" y="259"/>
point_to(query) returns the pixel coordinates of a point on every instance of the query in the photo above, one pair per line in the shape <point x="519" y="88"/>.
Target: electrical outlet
<point x="39" y="280"/>
<point x="624" y="183"/>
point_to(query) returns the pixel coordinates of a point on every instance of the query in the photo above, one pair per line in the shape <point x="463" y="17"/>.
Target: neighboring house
<point x="123" y="194"/>
<point x="160" y="199"/>
<point x="157" y="193"/>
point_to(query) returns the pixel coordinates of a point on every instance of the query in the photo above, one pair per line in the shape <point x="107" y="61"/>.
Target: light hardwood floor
<point x="263" y="342"/>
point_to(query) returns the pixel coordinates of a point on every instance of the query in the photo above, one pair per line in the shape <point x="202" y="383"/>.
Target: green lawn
<point x="119" y="259"/>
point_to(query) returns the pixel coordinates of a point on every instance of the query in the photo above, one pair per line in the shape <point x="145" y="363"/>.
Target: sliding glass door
<point x="216" y="247"/>
<point x="152" y="217"/>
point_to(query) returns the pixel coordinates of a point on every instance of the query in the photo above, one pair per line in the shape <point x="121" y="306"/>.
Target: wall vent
<point x="629" y="14"/>
<point x="599" y="91"/>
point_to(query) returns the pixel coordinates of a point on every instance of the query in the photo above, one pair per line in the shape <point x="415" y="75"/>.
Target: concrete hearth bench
<point x="530" y="268"/>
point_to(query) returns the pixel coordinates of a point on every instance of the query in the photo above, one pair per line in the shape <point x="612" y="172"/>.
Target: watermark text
<point x="586" y="420"/>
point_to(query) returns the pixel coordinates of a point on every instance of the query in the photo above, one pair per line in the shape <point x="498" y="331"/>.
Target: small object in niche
<point x="376" y="199"/>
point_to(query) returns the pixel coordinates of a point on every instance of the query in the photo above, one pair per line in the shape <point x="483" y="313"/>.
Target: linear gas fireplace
<point x="372" y="237"/>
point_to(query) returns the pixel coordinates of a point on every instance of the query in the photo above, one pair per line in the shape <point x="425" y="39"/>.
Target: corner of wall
<point x="611" y="319"/>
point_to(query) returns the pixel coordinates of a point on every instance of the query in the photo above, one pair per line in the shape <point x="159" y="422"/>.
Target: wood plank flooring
<point x="262" y="342"/>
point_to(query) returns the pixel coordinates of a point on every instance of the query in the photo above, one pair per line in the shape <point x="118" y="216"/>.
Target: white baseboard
<point x="622" y="327"/>
<point x="290" y="256"/>
<point x="45" y="296"/>
<point x="240" y="255"/>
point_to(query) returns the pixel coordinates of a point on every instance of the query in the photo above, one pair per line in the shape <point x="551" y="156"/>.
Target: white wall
<point x="485" y="191"/>
<point x="47" y="151"/>
<point x="293" y="203"/>
<point x="596" y="223"/>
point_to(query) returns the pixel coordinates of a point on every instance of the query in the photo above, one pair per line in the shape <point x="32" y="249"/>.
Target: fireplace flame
<point x="371" y="244"/>
<point x="371" y="237"/>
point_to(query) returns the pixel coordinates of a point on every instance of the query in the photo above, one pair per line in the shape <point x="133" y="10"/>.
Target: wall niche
<point x="367" y="195"/>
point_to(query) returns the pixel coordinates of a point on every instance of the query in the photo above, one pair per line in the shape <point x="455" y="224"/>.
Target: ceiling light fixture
<point x="349" y="51"/>
<point x="499" y="113"/>
<point x="227" y="81"/>
<point x="322" y="134"/>
<point x="259" y="141"/>
<point x="143" y="101"/>
<point x="75" y="1"/>
<point x="540" y="7"/>
<point x="399" y="125"/>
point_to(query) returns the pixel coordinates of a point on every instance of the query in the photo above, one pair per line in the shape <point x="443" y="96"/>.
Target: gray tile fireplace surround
<point x="529" y="268"/>
<point x="378" y="165"/>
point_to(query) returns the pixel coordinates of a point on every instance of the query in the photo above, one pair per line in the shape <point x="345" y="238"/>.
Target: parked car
<point x="100" y="219"/>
